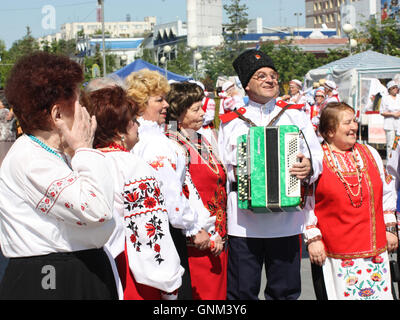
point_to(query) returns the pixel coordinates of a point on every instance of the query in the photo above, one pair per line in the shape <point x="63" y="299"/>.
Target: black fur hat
<point x="248" y="62"/>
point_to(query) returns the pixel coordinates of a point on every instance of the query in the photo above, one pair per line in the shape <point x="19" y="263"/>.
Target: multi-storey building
<point x="119" y="29"/>
<point x="335" y="13"/>
<point x="204" y="22"/>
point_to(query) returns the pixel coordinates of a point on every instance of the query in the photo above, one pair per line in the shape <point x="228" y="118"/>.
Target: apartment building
<point x="335" y="13"/>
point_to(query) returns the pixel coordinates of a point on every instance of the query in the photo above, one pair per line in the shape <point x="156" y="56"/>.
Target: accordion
<point x="264" y="157"/>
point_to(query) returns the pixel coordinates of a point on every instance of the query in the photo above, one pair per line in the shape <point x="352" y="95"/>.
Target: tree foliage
<point x="381" y="37"/>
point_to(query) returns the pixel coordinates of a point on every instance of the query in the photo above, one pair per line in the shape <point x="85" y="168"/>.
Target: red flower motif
<point x="151" y="230"/>
<point x="377" y="259"/>
<point x="346" y="294"/>
<point x="359" y="272"/>
<point x="150" y="202"/>
<point x="157" y="247"/>
<point x="185" y="190"/>
<point x="142" y="186"/>
<point x="67" y="205"/>
<point x="132" y="197"/>
<point x="133" y="238"/>
<point x="347" y="263"/>
<point x="157" y="192"/>
<point x="369" y="270"/>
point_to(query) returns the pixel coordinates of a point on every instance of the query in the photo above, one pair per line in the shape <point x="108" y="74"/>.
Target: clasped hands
<point x="202" y="241"/>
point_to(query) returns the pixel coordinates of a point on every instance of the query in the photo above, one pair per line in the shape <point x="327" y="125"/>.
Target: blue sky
<point x="15" y="15"/>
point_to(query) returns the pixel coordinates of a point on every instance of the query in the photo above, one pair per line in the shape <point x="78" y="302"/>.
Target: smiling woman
<point x="149" y="89"/>
<point x="354" y="214"/>
<point x="208" y="268"/>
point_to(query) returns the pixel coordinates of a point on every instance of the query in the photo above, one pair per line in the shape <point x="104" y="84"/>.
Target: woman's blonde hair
<point x="143" y="84"/>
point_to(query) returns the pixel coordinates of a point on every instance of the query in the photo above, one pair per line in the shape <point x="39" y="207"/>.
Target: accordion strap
<point x="278" y="115"/>
<point x="244" y="118"/>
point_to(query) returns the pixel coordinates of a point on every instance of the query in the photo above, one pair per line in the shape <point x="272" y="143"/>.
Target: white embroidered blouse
<point x="169" y="162"/>
<point x="49" y="205"/>
<point x="142" y="223"/>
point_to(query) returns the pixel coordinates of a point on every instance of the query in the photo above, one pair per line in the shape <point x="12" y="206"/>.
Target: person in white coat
<point x="255" y="239"/>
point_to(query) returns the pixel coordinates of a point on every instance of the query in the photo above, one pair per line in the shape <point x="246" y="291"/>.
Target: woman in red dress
<point x="207" y="267"/>
<point x="353" y="228"/>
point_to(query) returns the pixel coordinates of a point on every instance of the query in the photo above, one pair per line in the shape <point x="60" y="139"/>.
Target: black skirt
<point x="78" y="275"/>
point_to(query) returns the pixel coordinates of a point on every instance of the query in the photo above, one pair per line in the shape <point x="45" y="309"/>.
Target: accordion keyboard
<point x="292" y="149"/>
<point x="242" y="174"/>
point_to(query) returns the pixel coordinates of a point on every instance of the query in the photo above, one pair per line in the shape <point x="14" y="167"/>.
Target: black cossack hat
<point x="248" y="62"/>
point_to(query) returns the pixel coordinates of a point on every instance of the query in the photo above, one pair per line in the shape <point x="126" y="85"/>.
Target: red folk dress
<point x="208" y="272"/>
<point x="352" y="204"/>
<point x="358" y="223"/>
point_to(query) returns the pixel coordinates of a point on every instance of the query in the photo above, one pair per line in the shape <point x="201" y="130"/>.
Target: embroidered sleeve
<point x="311" y="229"/>
<point x="81" y="196"/>
<point x="152" y="256"/>
<point x="206" y="221"/>
<point x="171" y="175"/>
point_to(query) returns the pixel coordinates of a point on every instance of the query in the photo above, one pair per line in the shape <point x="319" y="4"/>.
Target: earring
<point x="123" y="141"/>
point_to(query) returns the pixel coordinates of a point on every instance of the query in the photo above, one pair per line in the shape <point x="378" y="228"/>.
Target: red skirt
<point x="132" y="289"/>
<point x="208" y="274"/>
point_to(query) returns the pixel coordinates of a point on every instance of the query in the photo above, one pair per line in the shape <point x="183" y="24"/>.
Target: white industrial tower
<point x="204" y="23"/>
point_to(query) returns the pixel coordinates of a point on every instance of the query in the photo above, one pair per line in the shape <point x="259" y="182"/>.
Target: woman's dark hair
<point x="37" y="82"/>
<point x="329" y="118"/>
<point x="181" y="97"/>
<point x="113" y="110"/>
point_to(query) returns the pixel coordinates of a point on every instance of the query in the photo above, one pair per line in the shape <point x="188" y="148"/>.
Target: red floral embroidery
<point x="185" y="190"/>
<point x="151" y="230"/>
<point x="144" y="197"/>
<point x="132" y="197"/>
<point x="150" y="203"/>
<point x="347" y="263"/>
<point x="142" y="186"/>
<point x="377" y="259"/>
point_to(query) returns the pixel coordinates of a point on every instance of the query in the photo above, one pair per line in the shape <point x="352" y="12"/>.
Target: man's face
<point x="263" y="85"/>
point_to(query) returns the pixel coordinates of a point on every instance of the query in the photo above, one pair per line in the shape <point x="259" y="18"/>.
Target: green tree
<point x="19" y="48"/>
<point x="183" y="62"/>
<point x="238" y="21"/>
<point x="382" y="37"/>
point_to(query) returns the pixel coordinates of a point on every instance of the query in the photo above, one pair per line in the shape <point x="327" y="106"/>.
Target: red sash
<point x="350" y="232"/>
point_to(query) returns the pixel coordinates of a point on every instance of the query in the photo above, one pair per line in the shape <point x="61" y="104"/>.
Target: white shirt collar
<point x="149" y="125"/>
<point x="266" y="107"/>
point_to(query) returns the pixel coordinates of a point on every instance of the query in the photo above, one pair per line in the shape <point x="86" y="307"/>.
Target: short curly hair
<point x="143" y="84"/>
<point x="181" y="97"/>
<point x="113" y="110"/>
<point x="37" y="82"/>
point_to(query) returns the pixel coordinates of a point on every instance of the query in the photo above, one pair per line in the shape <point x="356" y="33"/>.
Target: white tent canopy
<point x="349" y="72"/>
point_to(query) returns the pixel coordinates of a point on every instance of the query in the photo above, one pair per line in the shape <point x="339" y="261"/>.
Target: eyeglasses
<point x="263" y="76"/>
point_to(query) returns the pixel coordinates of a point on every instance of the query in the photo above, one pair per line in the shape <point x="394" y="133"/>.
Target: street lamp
<point x="164" y="60"/>
<point x="347" y="29"/>
<point x="298" y="14"/>
<point x="196" y="57"/>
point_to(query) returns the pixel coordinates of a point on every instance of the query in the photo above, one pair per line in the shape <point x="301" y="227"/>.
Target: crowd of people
<point x="128" y="188"/>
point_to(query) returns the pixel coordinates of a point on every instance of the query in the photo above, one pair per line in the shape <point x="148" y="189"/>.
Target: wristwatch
<point x="392" y="229"/>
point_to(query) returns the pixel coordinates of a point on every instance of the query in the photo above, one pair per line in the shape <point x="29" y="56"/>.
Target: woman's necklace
<point x="45" y="146"/>
<point x="211" y="161"/>
<point x="113" y="147"/>
<point x="331" y="158"/>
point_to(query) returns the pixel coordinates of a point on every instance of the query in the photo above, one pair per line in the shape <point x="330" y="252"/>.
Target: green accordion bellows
<point x="264" y="157"/>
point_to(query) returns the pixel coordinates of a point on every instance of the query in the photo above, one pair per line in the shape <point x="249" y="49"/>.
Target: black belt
<point x="234" y="186"/>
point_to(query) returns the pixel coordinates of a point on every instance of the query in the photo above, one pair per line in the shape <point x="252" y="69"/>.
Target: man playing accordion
<point x="270" y="238"/>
